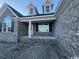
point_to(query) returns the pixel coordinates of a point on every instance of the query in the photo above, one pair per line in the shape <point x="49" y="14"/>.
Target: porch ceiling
<point x="38" y="19"/>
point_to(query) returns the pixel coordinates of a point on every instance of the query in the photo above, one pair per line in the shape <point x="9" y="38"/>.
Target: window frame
<point x="43" y="26"/>
<point x="31" y="11"/>
<point x="8" y="24"/>
<point x="47" y="8"/>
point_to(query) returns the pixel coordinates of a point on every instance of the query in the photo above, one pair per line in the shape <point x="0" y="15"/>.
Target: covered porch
<point x="38" y="26"/>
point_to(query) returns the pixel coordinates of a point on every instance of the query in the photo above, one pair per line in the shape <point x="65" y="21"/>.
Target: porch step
<point x="37" y="39"/>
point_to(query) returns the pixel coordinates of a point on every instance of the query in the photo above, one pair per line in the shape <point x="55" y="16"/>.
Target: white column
<point x="29" y="29"/>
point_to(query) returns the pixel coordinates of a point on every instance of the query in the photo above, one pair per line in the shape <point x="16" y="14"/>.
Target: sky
<point x="21" y="5"/>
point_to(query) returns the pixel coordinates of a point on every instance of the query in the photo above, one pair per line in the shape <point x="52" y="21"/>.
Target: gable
<point x="14" y="11"/>
<point x="5" y="12"/>
<point x="10" y="10"/>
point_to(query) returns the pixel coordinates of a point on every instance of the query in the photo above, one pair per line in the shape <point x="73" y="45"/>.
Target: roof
<point x="20" y="15"/>
<point x="38" y="15"/>
<point x="15" y="11"/>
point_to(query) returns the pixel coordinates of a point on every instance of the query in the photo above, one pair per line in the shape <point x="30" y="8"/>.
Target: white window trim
<point x="47" y="9"/>
<point x="3" y="28"/>
<point x="43" y="26"/>
<point x="6" y="30"/>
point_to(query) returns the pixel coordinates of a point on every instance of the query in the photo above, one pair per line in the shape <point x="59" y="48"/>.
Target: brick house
<point x="13" y="25"/>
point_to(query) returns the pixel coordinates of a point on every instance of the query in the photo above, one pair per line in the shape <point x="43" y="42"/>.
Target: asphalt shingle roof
<point x="15" y="11"/>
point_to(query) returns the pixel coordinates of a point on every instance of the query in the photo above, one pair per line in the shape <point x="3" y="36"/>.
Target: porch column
<point x="29" y="29"/>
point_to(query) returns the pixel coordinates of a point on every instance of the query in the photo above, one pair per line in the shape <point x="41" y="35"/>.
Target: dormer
<point x="47" y="7"/>
<point x="32" y="9"/>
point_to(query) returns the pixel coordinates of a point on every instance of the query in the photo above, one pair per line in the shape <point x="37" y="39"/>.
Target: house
<point x="13" y="25"/>
<point x="59" y="29"/>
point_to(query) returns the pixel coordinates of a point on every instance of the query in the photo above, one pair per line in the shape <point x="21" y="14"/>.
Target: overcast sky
<point x="21" y="5"/>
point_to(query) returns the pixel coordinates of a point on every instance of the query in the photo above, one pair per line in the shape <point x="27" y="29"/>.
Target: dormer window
<point x="31" y="11"/>
<point x="47" y="8"/>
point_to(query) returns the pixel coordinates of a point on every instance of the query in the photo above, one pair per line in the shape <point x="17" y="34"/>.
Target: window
<point x="4" y="27"/>
<point x="43" y="28"/>
<point x="47" y="8"/>
<point x="31" y="11"/>
<point x="7" y="24"/>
